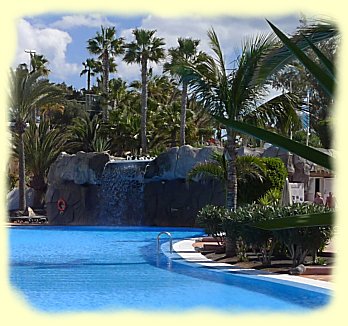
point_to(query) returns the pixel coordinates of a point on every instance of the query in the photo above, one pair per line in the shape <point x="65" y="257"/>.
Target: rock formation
<point x="99" y="190"/>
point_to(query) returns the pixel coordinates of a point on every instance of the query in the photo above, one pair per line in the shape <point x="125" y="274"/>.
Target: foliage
<point x="290" y="48"/>
<point x="274" y="176"/>
<point x="239" y="228"/>
<point x="42" y="146"/>
<point x="87" y="135"/>
<point x="324" y="74"/>
<point x="106" y="46"/>
<point x="211" y="218"/>
<point x="249" y="169"/>
<point x="146" y="48"/>
<point x="260" y="240"/>
<point x="294" y="77"/>
<point x="28" y="91"/>
<point x="303" y="241"/>
<point x="313" y="140"/>
<point x="272" y="196"/>
<point x="180" y="56"/>
<point x="12" y="181"/>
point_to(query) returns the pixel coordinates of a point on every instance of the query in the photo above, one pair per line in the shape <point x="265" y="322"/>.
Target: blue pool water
<point x="73" y="269"/>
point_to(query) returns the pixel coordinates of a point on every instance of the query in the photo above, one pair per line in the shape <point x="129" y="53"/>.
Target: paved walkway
<point x="188" y="254"/>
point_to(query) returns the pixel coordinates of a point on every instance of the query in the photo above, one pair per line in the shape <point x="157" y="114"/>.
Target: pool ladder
<point x="170" y="240"/>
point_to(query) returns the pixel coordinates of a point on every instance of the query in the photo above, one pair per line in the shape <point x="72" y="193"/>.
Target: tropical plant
<point x="261" y="241"/>
<point x="250" y="167"/>
<point x="42" y="146"/>
<point x="301" y="241"/>
<point x="313" y="139"/>
<point x="27" y="91"/>
<point x="324" y="73"/>
<point x="39" y="62"/>
<point x="146" y="48"/>
<point x="180" y="56"/>
<point x="234" y="96"/>
<point x="106" y="45"/>
<point x="318" y="102"/>
<point x="271" y="197"/>
<point x="88" y="69"/>
<point x="86" y="135"/>
<point x="277" y="59"/>
<point x="211" y="217"/>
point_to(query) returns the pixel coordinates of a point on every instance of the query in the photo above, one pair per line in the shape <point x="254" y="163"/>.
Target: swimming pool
<point x="74" y="269"/>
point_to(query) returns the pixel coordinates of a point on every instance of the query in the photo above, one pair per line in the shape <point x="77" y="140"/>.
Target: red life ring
<point x="61" y="205"/>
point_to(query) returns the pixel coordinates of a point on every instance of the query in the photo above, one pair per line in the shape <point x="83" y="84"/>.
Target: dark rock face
<point x="81" y="204"/>
<point x="101" y="191"/>
<point x="76" y="180"/>
<point x="176" y="162"/>
<point x="176" y="202"/>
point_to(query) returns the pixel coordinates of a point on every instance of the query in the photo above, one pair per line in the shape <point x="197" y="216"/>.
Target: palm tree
<point x="86" y="135"/>
<point x="27" y="91"/>
<point x="234" y="96"/>
<point x="42" y="146"/>
<point x="185" y="53"/>
<point x="106" y="45"/>
<point x="39" y="62"/>
<point x="47" y="110"/>
<point x="146" y="48"/>
<point x="246" y="166"/>
<point x="88" y="69"/>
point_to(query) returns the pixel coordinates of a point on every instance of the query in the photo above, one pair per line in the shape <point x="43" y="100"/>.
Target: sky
<point x="62" y="39"/>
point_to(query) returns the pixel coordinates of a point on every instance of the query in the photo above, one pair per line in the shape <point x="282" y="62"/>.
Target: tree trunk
<point x="21" y="172"/>
<point x="183" y="113"/>
<point x="230" y="247"/>
<point x="231" y="183"/>
<point x="37" y="182"/>
<point x="143" y="105"/>
<point x="105" y="85"/>
<point x="89" y="80"/>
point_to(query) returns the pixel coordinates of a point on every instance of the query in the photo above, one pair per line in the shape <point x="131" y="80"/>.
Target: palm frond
<point x="281" y="55"/>
<point x="206" y="170"/>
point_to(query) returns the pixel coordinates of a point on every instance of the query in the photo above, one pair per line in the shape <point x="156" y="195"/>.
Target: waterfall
<point x="122" y="193"/>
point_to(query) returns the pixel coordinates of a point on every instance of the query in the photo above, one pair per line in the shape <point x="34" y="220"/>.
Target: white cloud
<point x="231" y="31"/>
<point x="53" y="40"/>
<point x="71" y="21"/>
<point x="50" y="42"/>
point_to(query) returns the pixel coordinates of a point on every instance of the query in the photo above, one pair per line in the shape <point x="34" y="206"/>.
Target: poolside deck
<point x="189" y="255"/>
<point x="210" y="248"/>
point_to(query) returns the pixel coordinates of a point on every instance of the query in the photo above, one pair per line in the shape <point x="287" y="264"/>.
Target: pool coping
<point x="185" y="250"/>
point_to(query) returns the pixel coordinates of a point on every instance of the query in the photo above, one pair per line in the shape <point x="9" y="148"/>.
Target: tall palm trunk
<point x="231" y="189"/>
<point x="183" y="113"/>
<point x="143" y="104"/>
<point x="89" y="79"/>
<point x="21" y="172"/>
<point x="105" y="85"/>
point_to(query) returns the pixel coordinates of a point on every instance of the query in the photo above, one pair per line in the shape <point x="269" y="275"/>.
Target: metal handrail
<point x="170" y="240"/>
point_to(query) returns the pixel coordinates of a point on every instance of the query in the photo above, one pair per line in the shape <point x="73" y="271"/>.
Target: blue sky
<point x="62" y="39"/>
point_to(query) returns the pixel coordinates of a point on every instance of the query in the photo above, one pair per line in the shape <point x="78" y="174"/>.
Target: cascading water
<point x="122" y="193"/>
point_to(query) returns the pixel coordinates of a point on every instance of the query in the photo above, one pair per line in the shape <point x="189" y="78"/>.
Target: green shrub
<point x="12" y="181"/>
<point x="240" y="234"/>
<point x="210" y="218"/>
<point x="252" y="189"/>
<point x="272" y="196"/>
<point x="261" y="240"/>
<point x="301" y="242"/>
<point x="276" y="173"/>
